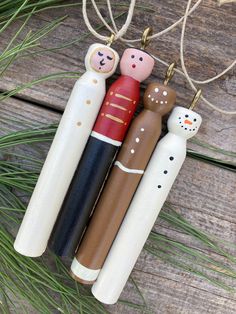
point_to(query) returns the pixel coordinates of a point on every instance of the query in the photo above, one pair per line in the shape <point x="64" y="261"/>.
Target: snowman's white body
<point x="149" y="198"/>
<point x="62" y="159"/>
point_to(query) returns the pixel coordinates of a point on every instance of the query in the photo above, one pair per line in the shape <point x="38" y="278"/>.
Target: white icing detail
<point x="129" y="170"/>
<point x="137" y="140"/>
<point x="165" y="93"/>
<point x="142" y="129"/>
<point x="149" y="96"/>
<point x="156" y="101"/>
<point x="83" y="272"/>
<point x="152" y="99"/>
<point x="105" y="139"/>
<point x="161" y="101"/>
<point x="132" y="151"/>
<point x="166" y="102"/>
<point x="156" y="90"/>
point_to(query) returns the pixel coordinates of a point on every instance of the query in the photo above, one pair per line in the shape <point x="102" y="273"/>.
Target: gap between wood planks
<point x="185" y="284"/>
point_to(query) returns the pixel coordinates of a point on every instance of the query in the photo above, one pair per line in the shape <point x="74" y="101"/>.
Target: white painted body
<point x="65" y="152"/>
<point x="149" y="198"/>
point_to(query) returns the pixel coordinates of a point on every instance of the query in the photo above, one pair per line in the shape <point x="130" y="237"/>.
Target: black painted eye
<point x="109" y="58"/>
<point x="141" y="59"/>
<point x="100" y="54"/>
<point x="194" y="120"/>
<point x="179" y="117"/>
<point x="186" y="116"/>
<point x="132" y="56"/>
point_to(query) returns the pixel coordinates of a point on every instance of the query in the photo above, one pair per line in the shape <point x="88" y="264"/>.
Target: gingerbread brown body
<point x="125" y="176"/>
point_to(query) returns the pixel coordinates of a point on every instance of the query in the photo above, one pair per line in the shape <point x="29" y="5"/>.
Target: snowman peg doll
<point x="66" y="150"/>
<point x="146" y="204"/>
<point x="107" y="135"/>
<point x="123" y="180"/>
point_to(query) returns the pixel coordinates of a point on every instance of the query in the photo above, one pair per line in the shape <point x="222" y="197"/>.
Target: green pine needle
<point x="44" y="282"/>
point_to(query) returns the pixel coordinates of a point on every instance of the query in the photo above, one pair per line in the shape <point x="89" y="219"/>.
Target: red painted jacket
<point x="118" y="108"/>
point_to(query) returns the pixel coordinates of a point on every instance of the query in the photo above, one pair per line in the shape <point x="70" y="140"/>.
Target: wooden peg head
<point x="136" y="63"/>
<point x="101" y="59"/>
<point x="184" y="122"/>
<point x="159" y="98"/>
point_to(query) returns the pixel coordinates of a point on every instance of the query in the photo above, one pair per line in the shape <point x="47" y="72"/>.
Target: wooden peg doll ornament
<point x="108" y="133"/>
<point x="122" y="183"/>
<point x="148" y="200"/>
<point x="65" y="152"/>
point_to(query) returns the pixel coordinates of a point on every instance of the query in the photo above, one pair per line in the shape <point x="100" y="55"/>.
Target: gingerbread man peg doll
<point x="122" y="183"/>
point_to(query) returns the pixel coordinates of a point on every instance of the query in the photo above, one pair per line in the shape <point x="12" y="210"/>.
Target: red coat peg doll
<point x="108" y="133"/>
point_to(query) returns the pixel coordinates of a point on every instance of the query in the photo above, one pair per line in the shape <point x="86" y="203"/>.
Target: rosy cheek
<point x="108" y="66"/>
<point x="131" y="64"/>
<point x="95" y="63"/>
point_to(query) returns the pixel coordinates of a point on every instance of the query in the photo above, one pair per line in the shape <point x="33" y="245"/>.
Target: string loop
<point x="119" y="34"/>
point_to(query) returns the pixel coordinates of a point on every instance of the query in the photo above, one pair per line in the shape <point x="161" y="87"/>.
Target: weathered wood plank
<point x="171" y="296"/>
<point x="209" y="49"/>
<point x="193" y="186"/>
<point x="204" y="194"/>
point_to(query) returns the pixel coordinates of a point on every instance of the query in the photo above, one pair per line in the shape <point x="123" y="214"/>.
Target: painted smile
<point x="102" y="62"/>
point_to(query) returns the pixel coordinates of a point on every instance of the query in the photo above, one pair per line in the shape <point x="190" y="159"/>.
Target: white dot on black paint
<point x="159" y="186"/>
<point x="171" y="158"/>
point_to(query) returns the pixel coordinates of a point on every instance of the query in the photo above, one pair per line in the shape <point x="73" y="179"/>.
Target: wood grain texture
<point x="202" y="193"/>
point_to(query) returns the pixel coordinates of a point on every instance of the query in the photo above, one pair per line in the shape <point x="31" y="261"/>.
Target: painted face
<point x="136" y="63"/>
<point x="102" y="60"/>
<point x="159" y="98"/>
<point x="184" y="122"/>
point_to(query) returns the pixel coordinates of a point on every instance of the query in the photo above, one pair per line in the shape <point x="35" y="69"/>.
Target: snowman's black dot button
<point x="159" y="186"/>
<point x="165" y="171"/>
<point x="171" y="158"/>
<point x="186" y="116"/>
<point x="179" y="117"/>
<point x="185" y="128"/>
<point x="182" y="126"/>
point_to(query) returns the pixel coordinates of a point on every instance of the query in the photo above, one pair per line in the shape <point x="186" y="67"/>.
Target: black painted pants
<point x="81" y="197"/>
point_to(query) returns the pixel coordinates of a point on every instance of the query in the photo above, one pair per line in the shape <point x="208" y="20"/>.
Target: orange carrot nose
<point x="188" y="122"/>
